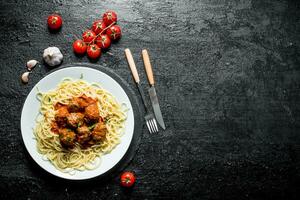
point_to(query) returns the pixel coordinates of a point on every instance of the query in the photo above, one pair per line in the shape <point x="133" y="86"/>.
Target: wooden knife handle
<point x="148" y="66"/>
<point x="132" y="65"/>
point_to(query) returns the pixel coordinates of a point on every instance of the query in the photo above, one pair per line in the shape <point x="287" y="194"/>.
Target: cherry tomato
<point x="114" y="32"/>
<point x="98" y="26"/>
<point x="79" y="47"/>
<point x="127" y="179"/>
<point x="54" y="21"/>
<point x="109" y="17"/>
<point x="88" y="36"/>
<point x="103" y="41"/>
<point x="93" y="51"/>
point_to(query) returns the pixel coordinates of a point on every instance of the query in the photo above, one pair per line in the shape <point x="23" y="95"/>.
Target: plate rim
<point x="108" y="72"/>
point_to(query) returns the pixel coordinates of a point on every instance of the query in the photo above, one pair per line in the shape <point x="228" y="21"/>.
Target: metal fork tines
<point x="149" y="117"/>
<point x="151" y="123"/>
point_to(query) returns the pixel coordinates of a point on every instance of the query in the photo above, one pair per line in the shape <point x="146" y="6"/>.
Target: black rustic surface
<point x="228" y="80"/>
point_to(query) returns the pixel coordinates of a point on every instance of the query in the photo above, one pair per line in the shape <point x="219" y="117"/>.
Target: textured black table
<point x="228" y="79"/>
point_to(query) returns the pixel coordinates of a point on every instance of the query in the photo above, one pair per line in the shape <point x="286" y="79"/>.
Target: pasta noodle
<point x="48" y="142"/>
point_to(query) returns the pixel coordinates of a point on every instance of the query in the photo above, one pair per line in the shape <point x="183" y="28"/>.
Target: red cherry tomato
<point x="103" y="41"/>
<point x="54" y="21"/>
<point x="127" y="179"/>
<point x="109" y="17"/>
<point x="88" y="36"/>
<point x="93" y="51"/>
<point x="98" y="26"/>
<point x="79" y="47"/>
<point x="114" y="32"/>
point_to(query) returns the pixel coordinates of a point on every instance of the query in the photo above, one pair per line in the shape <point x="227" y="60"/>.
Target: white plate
<point x="31" y="110"/>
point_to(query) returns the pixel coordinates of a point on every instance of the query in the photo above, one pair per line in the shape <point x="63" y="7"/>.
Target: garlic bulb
<point x="31" y="64"/>
<point x="25" y="77"/>
<point x="52" y="56"/>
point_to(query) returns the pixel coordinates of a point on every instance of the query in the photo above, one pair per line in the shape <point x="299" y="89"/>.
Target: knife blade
<point x="152" y="91"/>
<point x="156" y="108"/>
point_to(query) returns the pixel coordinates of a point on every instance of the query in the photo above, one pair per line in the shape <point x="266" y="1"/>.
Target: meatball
<point x="78" y="104"/>
<point x="74" y="106"/>
<point x="54" y="127"/>
<point x="83" y="130"/>
<point x="85" y="100"/>
<point x="92" y="112"/>
<point x="75" y="119"/>
<point x="99" y="132"/>
<point x="67" y="137"/>
<point x="83" y="134"/>
<point x="58" y="105"/>
<point x="61" y="115"/>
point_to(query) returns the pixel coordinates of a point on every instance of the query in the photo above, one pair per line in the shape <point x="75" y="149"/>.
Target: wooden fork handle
<point x="148" y="66"/>
<point x="132" y="65"/>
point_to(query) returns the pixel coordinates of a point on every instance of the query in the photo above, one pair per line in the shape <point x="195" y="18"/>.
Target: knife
<point x="151" y="90"/>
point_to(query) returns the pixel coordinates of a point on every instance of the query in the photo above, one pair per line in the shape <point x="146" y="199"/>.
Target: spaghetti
<point x="79" y="158"/>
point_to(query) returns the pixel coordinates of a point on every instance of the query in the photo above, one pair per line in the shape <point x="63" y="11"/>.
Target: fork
<point x="149" y="117"/>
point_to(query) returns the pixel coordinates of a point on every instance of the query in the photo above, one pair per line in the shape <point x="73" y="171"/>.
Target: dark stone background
<point x="227" y="77"/>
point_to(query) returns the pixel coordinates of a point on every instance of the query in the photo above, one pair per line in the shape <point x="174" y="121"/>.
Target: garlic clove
<point x="31" y="64"/>
<point x="25" y="77"/>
